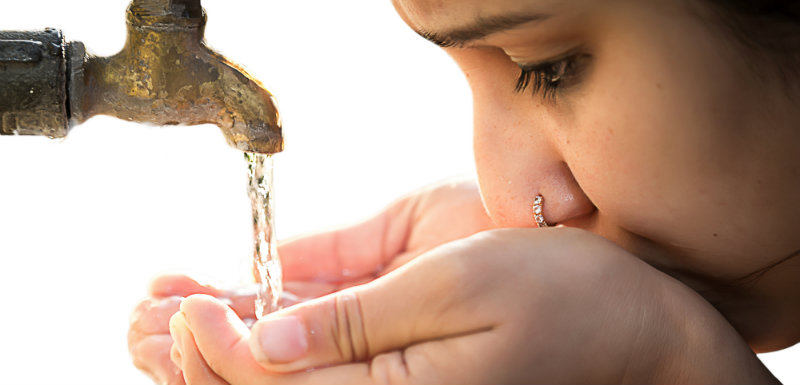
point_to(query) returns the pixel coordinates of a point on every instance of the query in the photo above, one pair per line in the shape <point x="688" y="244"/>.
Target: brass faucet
<point x="164" y="75"/>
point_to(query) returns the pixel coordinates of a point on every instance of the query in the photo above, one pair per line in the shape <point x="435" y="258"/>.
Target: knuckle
<point x="348" y="332"/>
<point x="151" y="355"/>
<point x="171" y="285"/>
<point x="141" y="360"/>
<point x="152" y="315"/>
<point x="134" y="337"/>
<point x="390" y="369"/>
<point x="175" y="355"/>
<point x="142" y="308"/>
<point x="150" y="352"/>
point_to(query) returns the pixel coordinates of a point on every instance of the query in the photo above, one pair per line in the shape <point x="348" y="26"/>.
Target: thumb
<point x="434" y="297"/>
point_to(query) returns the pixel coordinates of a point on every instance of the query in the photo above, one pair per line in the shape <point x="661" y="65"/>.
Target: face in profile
<point x="643" y="121"/>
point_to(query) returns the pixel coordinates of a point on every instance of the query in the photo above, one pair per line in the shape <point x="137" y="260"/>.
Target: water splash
<point x="266" y="265"/>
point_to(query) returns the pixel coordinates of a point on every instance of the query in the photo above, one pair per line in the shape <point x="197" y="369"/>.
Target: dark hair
<point x="770" y="28"/>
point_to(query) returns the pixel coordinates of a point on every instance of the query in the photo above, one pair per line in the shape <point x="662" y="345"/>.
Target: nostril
<point x="566" y="220"/>
<point x="560" y="208"/>
<point x="564" y="199"/>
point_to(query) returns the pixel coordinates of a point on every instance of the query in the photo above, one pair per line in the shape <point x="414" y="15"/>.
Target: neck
<point x="763" y="306"/>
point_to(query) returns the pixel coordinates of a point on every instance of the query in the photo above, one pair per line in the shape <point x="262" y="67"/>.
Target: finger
<point x="152" y="356"/>
<point x="175" y="356"/>
<point x="304" y="291"/>
<point x="149" y="340"/>
<point x="436" y="296"/>
<point x="224" y="348"/>
<point x="152" y="315"/>
<point x="308" y="290"/>
<point x="221" y="337"/>
<point x="176" y="285"/>
<point x="465" y="360"/>
<point x="179" y="285"/>
<point x="195" y="369"/>
<point x="242" y="301"/>
<point x="223" y="343"/>
<point x="351" y="252"/>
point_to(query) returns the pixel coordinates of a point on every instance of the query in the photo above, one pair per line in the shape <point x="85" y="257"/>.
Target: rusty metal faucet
<point x="164" y="75"/>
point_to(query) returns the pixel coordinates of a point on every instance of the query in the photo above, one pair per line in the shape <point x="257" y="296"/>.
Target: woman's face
<point x="651" y="127"/>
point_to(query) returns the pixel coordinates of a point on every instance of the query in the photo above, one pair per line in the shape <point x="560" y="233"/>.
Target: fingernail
<point x="283" y="339"/>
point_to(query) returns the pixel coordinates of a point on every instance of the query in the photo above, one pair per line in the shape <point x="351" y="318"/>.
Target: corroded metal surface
<point x="166" y="75"/>
<point x="33" y="83"/>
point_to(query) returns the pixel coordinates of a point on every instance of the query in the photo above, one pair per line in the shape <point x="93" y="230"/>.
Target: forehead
<point x="450" y="14"/>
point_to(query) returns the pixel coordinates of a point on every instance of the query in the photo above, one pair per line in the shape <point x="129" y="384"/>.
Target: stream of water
<point x="266" y="265"/>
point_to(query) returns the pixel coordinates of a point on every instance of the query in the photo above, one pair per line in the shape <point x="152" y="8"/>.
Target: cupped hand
<point x="322" y="263"/>
<point x="502" y="307"/>
<point x="319" y="264"/>
<point x="149" y="340"/>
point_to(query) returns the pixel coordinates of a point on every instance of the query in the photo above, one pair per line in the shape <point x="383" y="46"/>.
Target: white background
<point x="370" y="112"/>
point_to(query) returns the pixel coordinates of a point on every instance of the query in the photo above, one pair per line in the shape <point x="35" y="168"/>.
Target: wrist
<point x="706" y="349"/>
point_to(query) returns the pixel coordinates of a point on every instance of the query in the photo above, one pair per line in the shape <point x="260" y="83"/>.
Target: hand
<point x="506" y="306"/>
<point x="320" y="264"/>
<point x="149" y="341"/>
<point x="323" y="263"/>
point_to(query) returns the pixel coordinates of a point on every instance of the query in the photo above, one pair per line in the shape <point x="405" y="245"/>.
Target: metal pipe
<point x="33" y="78"/>
<point x="164" y="75"/>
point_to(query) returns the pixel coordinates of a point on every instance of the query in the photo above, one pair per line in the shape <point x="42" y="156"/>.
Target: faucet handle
<point x="187" y="8"/>
<point x="166" y="11"/>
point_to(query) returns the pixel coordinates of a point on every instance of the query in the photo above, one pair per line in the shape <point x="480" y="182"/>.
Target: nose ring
<point x="538" y="214"/>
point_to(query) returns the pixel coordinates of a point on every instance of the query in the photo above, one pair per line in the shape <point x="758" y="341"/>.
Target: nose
<point x="564" y="200"/>
<point x="511" y="178"/>
<point x="517" y="158"/>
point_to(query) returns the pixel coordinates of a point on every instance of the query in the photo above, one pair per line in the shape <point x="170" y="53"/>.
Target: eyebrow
<point x="479" y="29"/>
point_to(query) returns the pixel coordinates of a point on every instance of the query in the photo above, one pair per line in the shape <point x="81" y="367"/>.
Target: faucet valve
<point x="165" y="75"/>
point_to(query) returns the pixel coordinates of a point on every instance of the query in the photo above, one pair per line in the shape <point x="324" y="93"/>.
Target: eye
<point x="550" y="77"/>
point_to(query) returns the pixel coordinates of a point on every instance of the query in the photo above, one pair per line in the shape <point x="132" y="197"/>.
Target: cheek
<point x="513" y="146"/>
<point x="655" y="142"/>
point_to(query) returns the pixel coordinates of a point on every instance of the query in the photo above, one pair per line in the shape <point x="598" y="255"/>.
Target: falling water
<point x="266" y="265"/>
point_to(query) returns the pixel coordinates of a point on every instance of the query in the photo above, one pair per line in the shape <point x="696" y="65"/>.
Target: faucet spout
<point x="164" y="75"/>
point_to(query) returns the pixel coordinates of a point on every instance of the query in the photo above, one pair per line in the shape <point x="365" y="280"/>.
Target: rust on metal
<point x="165" y="75"/>
<point x="33" y="84"/>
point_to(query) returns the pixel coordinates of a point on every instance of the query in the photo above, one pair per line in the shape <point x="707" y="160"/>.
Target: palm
<point x="324" y="263"/>
<point x="320" y="264"/>
<point x="445" y="213"/>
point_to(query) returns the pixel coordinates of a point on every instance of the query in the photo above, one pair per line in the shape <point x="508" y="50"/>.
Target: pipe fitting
<point x="33" y="77"/>
<point x="167" y="75"/>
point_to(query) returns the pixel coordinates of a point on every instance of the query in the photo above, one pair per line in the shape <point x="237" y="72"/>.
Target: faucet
<point x="165" y="75"/>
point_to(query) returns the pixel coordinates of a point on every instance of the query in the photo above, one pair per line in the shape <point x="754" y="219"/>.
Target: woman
<point x="658" y="138"/>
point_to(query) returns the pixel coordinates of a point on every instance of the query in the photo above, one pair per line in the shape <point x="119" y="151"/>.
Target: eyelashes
<point x="550" y="77"/>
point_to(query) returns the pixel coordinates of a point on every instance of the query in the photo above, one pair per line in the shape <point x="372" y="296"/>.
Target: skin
<point x="319" y="264"/>
<point x="645" y="326"/>
<point x="692" y="168"/>
<point x="669" y="151"/>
